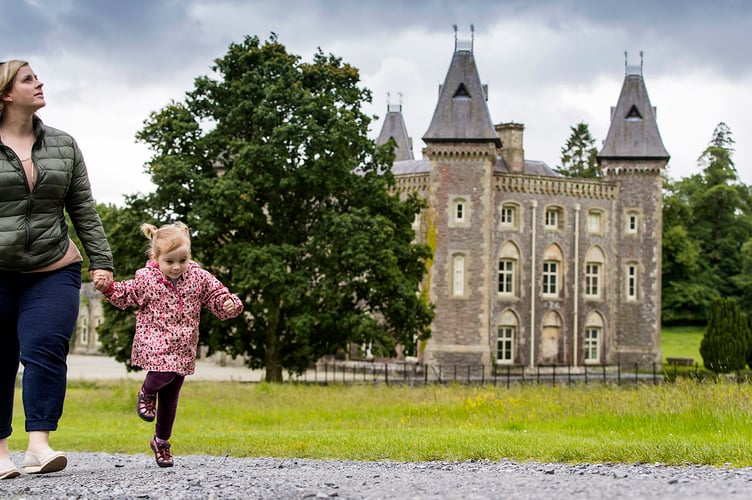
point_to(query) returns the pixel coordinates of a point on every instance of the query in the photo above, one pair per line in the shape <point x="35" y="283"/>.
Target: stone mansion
<point x="529" y="267"/>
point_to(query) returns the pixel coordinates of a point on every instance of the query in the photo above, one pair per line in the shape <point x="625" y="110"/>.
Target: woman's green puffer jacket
<point x="33" y="230"/>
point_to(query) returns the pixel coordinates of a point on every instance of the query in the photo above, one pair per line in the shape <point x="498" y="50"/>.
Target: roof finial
<point x="454" y="26"/>
<point x="642" y="61"/>
<point x="472" y="37"/>
<point x="400" y="99"/>
<point x="626" y="62"/>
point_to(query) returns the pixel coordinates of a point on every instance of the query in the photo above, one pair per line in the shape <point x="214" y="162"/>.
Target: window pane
<point x="592" y="279"/>
<point x="592" y="344"/>
<point x="459" y="275"/>
<point x="632" y="281"/>
<point x="506" y="276"/>
<point x="594" y="222"/>
<point x="550" y="272"/>
<point x="508" y="215"/>
<point x="505" y="349"/>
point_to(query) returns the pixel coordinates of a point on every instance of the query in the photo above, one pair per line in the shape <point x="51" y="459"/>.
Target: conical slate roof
<point x="633" y="132"/>
<point x="461" y="113"/>
<point x="394" y="128"/>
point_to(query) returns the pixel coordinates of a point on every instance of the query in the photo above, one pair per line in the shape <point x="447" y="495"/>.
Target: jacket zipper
<point x="12" y="154"/>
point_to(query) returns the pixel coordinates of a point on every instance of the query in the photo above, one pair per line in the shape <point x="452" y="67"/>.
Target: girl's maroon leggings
<point x="166" y="385"/>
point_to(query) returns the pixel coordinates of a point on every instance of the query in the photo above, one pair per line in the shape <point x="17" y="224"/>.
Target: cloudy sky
<point x="549" y="64"/>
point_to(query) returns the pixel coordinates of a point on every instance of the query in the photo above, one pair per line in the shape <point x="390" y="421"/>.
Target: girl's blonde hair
<point x="8" y="72"/>
<point x="166" y="238"/>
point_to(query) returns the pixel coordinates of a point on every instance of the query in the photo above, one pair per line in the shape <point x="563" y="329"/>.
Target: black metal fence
<point x="420" y="374"/>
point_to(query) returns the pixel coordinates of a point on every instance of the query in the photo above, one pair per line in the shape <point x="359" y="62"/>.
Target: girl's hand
<point x="101" y="278"/>
<point x="229" y="306"/>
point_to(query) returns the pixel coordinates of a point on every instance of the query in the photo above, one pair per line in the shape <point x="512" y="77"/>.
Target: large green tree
<point x="292" y="206"/>
<point x="707" y="219"/>
<point x="578" y="156"/>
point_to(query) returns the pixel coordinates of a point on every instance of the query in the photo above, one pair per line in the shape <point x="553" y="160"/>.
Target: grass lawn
<point x="671" y="423"/>
<point x="686" y="421"/>
<point x="682" y="342"/>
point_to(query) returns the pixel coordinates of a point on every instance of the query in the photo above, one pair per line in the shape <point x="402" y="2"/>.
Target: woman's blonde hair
<point x="8" y="72"/>
<point x="166" y="238"/>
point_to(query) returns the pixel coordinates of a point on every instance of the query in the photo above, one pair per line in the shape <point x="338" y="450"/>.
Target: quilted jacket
<point x="168" y="315"/>
<point x="33" y="230"/>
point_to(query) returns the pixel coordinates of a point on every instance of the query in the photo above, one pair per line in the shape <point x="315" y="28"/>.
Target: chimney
<point x="511" y="145"/>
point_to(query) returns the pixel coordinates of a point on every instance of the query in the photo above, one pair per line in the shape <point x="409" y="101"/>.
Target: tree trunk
<point x="272" y="363"/>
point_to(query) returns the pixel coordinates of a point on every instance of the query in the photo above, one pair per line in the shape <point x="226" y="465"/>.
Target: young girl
<point x="169" y="293"/>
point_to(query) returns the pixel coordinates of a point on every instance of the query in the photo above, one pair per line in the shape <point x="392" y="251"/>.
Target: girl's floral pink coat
<point x="168" y="315"/>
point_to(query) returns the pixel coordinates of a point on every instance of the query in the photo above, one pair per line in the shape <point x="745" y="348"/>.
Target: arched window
<point x="458" y="275"/>
<point x="593" y="338"/>
<point x="632" y="222"/>
<point x="506" y="335"/>
<point x="594" y="268"/>
<point x="83" y="331"/>
<point x="551" y="338"/>
<point x="459" y="214"/>
<point x="552" y="272"/>
<point x="631" y="281"/>
<point x="509" y="258"/>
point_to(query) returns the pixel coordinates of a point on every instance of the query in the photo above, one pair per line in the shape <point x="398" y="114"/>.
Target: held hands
<point x="102" y="279"/>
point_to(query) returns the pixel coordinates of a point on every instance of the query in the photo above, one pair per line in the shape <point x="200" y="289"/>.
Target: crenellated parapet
<point x="412" y="183"/>
<point x="439" y="151"/>
<point x="654" y="169"/>
<point x="576" y="188"/>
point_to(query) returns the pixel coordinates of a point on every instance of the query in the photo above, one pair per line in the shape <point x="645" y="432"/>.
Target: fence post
<point x="386" y="374"/>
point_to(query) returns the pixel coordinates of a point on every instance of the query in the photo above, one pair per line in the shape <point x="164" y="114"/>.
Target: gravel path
<point x="107" y="476"/>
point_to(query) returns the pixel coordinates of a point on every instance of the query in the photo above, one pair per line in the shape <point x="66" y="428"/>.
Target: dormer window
<point x="633" y="114"/>
<point x="461" y="92"/>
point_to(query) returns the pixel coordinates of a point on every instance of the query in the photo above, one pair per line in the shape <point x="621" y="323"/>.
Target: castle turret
<point x="462" y="147"/>
<point x="633" y="155"/>
<point x="394" y="128"/>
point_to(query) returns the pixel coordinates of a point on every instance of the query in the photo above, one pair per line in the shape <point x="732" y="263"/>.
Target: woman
<point x="42" y="176"/>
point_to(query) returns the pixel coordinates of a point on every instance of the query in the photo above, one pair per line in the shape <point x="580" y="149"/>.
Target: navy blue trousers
<point x="38" y="313"/>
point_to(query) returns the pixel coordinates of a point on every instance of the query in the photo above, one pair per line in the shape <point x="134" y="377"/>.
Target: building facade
<point x="529" y="267"/>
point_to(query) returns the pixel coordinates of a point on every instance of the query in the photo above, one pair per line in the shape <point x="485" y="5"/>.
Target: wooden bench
<point x="680" y="361"/>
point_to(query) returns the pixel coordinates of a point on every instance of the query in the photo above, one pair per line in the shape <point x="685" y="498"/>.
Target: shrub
<point x="725" y="346"/>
